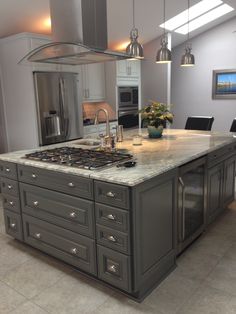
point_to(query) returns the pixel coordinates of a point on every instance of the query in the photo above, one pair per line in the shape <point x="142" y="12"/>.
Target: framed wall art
<point x="224" y="84"/>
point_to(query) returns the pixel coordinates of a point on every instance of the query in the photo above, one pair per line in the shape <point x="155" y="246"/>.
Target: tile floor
<point x="203" y="283"/>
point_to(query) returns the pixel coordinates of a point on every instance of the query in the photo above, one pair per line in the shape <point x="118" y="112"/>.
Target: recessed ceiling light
<point x="205" y="18"/>
<point x="194" y="11"/>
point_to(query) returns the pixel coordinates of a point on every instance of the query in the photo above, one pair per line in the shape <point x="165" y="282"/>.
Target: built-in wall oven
<point x="128" y="100"/>
<point x="191" y="202"/>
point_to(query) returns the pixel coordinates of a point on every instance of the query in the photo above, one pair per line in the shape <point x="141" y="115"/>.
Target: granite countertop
<point x="154" y="156"/>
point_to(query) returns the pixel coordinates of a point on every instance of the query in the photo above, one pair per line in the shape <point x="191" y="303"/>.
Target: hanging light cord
<point x="188" y="20"/>
<point x="164" y="14"/>
<point x="133" y="14"/>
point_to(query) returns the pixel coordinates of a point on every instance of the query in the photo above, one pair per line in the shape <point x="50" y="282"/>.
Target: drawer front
<point x="114" y="268"/>
<point x="9" y="187"/>
<point x="221" y="154"/>
<point x="66" y="211"/>
<point x="68" y="246"/>
<point x="70" y="184"/>
<point x="8" y="170"/>
<point x="112" y="217"/>
<point x="112" y="194"/>
<point x="13" y="224"/>
<point x="11" y="203"/>
<point x="113" y="239"/>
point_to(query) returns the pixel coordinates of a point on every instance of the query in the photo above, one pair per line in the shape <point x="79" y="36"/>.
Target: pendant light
<point x="188" y="59"/>
<point x="134" y="49"/>
<point x="164" y="54"/>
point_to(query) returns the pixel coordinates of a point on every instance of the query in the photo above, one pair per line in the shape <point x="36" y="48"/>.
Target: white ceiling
<point x="27" y="16"/>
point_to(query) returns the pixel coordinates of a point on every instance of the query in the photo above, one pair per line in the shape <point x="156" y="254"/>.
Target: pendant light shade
<point x="164" y="54"/>
<point x="188" y="59"/>
<point x="134" y="48"/>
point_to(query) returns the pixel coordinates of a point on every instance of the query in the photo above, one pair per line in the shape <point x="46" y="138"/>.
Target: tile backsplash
<point x="89" y="110"/>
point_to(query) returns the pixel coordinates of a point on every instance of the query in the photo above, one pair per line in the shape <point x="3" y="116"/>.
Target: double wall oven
<point x="128" y="99"/>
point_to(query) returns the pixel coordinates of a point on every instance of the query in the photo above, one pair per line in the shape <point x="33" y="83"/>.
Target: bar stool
<point x="202" y="123"/>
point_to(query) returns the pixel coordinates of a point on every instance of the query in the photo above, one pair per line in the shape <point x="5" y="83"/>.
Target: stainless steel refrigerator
<point x="58" y="107"/>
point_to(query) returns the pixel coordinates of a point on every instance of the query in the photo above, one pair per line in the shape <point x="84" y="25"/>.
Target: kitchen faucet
<point x="108" y="135"/>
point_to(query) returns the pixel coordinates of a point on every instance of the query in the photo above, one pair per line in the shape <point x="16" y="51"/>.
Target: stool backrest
<point x="202" y="123"/>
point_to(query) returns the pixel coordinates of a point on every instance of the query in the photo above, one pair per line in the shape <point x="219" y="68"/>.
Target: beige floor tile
<point x="28" y="308"/>
<point x="35" y="275"/>
<point x="9" y="299"/>
<point x="231" y="252"/>
<point x="208" y="300"/>
<point x="73" y="294"/>
<point x="223" y="277"/>
<point x="118" y="304"/>
<point x="172" y="293"/>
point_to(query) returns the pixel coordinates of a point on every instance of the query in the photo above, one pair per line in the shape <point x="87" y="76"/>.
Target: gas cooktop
<point x="78" y="157"/>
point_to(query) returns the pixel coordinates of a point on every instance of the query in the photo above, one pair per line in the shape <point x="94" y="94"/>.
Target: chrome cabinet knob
<point x="10" y="187"/>
<point x="74" y="251"/>
<point x="13" y="225"/>
<point x="11" y="203"/>
<point x="8" y="170"/>
<point x="38" y="235"/>
<point x="111" y="194"/>
<point x="34" y="176"/>
<point x="71" y="185"/>
<point x="36" y="203"/>
<point x="112" y="268"/>
<point x="111" y="217"/>
<point x="73" y="215"/>
<point x="111" y="238"/>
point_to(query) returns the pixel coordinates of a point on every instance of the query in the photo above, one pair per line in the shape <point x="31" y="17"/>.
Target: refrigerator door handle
<point x="64" y="115"/>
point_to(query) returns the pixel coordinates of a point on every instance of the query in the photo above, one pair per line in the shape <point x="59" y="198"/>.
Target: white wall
<point x="3" y="139"/>
<point x="192" y="87"/>
<point x="155" y="78"/>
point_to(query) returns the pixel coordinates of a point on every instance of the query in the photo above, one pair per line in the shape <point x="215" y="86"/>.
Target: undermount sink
<point x="88" y="142"/>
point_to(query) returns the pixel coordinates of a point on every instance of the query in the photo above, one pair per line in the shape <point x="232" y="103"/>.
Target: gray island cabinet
<point x="123" y="227"/>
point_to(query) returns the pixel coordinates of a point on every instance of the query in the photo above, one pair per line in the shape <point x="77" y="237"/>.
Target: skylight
<point x="200" y="14"/>
<point x="205" y="18"/>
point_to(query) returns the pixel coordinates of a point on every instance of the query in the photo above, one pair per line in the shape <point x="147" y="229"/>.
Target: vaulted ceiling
<point x="31" y="16"/>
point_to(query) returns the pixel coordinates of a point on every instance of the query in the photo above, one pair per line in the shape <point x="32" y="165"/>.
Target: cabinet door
<point x="122" y="68"/>
<point x="133" y="68"/>
<point x="215" y="189"/>
<point x="93" y="82"/>
<point x="229" y="179"/>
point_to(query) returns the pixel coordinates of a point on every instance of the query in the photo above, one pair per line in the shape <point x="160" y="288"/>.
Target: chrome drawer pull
<point x="13" y="225"/>
<point x="112" y="269"/>
<point x="111" y="194"/>
<point x="73" y="215"/>
<point x="111" y="217"/>
<point x="10" y="187"/>
<point x="74" y="251"/>
<point x="34" y="176"/>
<point x="37" y="235"/>
<point x="11" y="203"/>
<point x="36" y="203"/>
<point x="71" y="185"/>
<point x="8" y="170"/>
<point x="111" y="238"/>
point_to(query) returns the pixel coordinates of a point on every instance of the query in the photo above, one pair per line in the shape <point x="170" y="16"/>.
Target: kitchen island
<point x="123" y="226"/>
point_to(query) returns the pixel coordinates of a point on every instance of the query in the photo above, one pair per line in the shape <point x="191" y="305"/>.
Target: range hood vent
<point x="79" y="34"/>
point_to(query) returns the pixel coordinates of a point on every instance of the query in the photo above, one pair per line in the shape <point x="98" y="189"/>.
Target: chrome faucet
<point x="108" y="135"/>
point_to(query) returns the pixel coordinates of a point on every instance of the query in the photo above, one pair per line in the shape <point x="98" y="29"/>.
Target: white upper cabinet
<point x="128" y="68"/>
<point x="93" y="76"/>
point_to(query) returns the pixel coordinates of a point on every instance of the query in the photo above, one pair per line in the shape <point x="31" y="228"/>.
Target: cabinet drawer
<point x="114" y="268"/>
<point x="113" y="239"/>
<point x="220" y="154"/>
<point x="112" y="194"/>
<point x="8" y="170"/>
<point x="9" y="187"/>
<point x="112" y="217"/>
<point x="11" y="203"/>
<point x="68" y="246"/>
<point x="13" y="224"/>
<point x="70" y="184"/>
<point x="66" y="211"/>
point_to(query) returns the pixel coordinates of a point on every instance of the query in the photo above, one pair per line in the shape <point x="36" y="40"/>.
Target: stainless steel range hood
<point x="79" y="34"/>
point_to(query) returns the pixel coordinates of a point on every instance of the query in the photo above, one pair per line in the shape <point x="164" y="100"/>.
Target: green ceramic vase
<point x="154" y="132"/>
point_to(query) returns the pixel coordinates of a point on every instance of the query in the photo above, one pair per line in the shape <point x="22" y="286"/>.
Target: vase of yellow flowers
<point x="154" y="116"/>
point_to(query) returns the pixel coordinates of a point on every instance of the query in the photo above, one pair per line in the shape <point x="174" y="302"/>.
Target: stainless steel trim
<point x="125" y="112"/>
